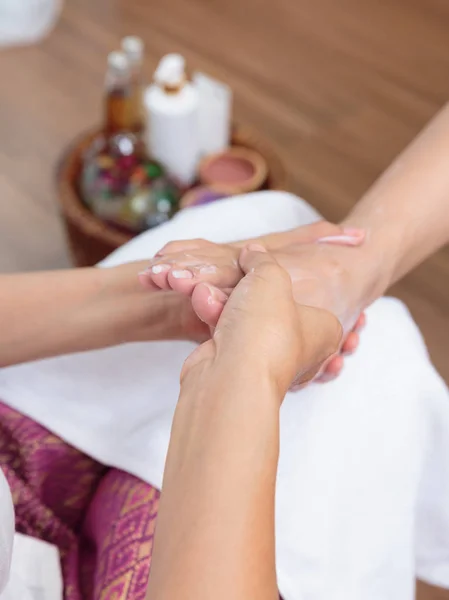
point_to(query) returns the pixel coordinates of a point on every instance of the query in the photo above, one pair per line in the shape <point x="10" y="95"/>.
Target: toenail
<point x="159" y="269"/>
<point x="183" y="274"/>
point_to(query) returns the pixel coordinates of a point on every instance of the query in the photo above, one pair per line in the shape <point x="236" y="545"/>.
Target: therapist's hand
<point x="261" y="330"/>
<point x="326" y="264"/>
<point x="218" y="494"/>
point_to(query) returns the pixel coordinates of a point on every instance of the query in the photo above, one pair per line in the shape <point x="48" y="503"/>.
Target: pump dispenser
<point x="172" y="135"/>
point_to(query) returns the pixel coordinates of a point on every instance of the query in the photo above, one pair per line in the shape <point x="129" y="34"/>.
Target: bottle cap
<point x="133" y="47"/>
<point x="118" y="61"/>
<point x="170" y="71"/>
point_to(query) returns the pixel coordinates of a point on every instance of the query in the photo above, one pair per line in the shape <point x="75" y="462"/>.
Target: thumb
<point x="254" y="258"/>
<point x="257" y="298"/>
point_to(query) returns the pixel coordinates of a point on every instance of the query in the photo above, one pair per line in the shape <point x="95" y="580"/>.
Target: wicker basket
<point x="90" y="239"/>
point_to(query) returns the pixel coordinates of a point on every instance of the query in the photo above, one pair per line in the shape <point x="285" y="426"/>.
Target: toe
<point x="147" y="281"/>
<point x="360" y="323"/>
<point x="351" y="342"/>
<point x="332" y="370"/>
<point x="208" y="303"/>
<point x="182" y="280"/>
<point x="158" y="274"/>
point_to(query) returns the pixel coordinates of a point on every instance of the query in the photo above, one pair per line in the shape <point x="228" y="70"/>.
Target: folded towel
<point x="363" y="481"/>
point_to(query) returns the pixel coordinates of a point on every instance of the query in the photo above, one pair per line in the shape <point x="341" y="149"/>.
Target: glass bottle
<point x="133" y="48"/>
<point x="122" y="114"/>
<point x="119" y="182"/>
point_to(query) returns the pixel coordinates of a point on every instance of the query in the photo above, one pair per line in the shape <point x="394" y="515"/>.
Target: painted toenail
<point x="159" y="269"/>
<point x="183" y="274"/>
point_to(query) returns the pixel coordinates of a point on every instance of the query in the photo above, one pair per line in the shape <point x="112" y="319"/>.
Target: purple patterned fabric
<point x="101" y="519"/>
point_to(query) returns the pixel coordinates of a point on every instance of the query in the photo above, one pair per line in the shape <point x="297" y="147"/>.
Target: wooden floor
<point x="340" y="87"/>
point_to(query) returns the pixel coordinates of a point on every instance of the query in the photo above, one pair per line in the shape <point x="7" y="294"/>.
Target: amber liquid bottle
<point x="133" y="48"/>
<point x="123" y="112"/>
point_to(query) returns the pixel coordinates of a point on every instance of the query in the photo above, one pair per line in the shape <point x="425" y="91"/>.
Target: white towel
<point x="363" y="482"/>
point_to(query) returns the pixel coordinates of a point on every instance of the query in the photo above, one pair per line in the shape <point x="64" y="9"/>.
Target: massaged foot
<point x="314" y="256"/>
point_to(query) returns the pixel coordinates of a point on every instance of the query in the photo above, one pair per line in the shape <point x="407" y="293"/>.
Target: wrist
<point x="224" y="411"/>
<point x="231" y="382"/>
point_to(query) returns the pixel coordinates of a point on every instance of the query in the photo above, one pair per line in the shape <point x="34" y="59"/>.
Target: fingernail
<point x="255" y="248"/>
<point x="345" y="240"/>
<point x="182" y="274"/>
<point x="216" y="295"/>
<point x="160" y="269"/>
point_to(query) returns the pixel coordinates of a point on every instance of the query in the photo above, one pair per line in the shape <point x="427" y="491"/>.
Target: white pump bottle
<point x="172" y="134"/>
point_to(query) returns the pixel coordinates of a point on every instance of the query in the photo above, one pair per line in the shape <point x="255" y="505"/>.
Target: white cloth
<point x="35" y="571"/>
<point x="29" y="568"/>
<point x="363" y="483"/>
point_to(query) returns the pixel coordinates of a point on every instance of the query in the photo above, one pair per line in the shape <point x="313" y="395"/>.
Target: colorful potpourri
<point x="125" y="187"/>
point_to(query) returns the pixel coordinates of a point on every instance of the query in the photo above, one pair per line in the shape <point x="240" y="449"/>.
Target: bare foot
<point x="321" y="274"/>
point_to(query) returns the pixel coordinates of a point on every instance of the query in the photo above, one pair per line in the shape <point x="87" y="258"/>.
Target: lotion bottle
<point x="172" y="135"/>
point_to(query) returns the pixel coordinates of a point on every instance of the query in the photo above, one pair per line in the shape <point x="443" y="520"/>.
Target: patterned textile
<point x="101" y="519"/>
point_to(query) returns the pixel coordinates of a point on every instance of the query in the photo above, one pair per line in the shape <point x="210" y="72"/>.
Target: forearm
<point x="405" y="211"/>
<point x="215" y="532"/>
<point x="45" y="314"/>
